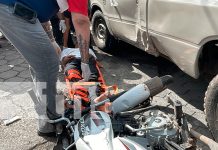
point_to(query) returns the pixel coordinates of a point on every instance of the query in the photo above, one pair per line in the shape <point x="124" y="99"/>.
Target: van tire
<point x="100" y="33"/>
<point x="211" y="107"/>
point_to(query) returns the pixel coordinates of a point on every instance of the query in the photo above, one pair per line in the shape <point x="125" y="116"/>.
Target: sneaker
<point x="49" y="134"/>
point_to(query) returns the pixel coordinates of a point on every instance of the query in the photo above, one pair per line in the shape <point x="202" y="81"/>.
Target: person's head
<point x="66" y="60"/>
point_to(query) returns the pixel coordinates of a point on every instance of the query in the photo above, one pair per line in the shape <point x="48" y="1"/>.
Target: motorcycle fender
<point x="81" y="145"/>
<point x="119" y="143"/>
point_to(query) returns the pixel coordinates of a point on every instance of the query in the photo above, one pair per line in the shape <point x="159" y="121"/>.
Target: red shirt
<point x="78" y="6"/>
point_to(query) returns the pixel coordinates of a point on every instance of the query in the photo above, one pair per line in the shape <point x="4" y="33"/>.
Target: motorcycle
<point x="131" y="125"/>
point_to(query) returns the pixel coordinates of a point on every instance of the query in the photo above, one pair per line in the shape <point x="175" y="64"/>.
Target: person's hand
<point x="86" y="72"/>
<point x="62" y="26"/>
<point x="56" y="47"/>
<point x="67" y="59"/>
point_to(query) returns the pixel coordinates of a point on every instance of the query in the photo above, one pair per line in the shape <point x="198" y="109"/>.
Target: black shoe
<point x="49" y="134"/>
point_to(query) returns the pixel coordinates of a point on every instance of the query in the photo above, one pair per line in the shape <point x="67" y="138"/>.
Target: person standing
<point x="55" y="21"/>
<point x="68" y="41"/>
<point x="33" y="38"/>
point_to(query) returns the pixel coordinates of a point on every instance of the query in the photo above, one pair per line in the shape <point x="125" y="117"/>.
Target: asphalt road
<point x="125" y="66"/>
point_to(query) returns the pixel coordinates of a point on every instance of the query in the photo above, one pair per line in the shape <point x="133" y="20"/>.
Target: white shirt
<point x="63" y="5"/>
<point x="75" y="52"/>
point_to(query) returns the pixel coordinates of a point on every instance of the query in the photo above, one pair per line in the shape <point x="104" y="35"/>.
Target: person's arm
<point x="60" y="15"/>
<point x="79" y="13"/>
<point x="62" y="23"/>
<point x="67" y="18"/>
<point x="47" y="27"/>
<point x="81" y="24"/>
<point x="66" y="33"/>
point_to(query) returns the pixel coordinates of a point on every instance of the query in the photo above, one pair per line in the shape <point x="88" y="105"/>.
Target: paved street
<point x="126" y="68"/>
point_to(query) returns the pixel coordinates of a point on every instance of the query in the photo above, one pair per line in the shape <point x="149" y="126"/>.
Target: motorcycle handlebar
<point x="87" y="109"/>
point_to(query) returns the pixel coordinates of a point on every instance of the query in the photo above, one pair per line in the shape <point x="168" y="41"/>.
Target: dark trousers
<point x="93" y="91"/>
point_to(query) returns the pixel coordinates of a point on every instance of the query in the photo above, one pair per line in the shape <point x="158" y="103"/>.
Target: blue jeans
<point x="33" y="43"/>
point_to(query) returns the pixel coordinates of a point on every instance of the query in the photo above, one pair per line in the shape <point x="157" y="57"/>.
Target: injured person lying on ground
<point x="71" y="63"/>
<point x="84" y="92"/>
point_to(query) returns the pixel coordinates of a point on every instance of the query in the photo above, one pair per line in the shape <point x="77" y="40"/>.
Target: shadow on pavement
<point x="190" y="89"/>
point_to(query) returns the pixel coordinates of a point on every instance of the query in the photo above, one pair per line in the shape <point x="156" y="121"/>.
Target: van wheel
<point x="211" y="107"/>
<point x="101" y="36"/>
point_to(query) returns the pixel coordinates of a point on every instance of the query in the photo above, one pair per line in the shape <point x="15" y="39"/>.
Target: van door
<point x="144" y="40"/>
<point x="122" y="16"/>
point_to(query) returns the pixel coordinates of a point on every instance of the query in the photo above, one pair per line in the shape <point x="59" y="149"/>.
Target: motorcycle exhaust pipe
<point x="140" y="93"/>
<point x="211" y="143"/>
<point x="158" y="84"/>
